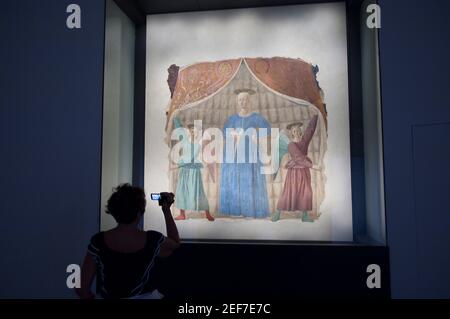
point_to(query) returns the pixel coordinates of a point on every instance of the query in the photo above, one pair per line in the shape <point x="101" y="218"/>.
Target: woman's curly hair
<point x="126" y="203"/>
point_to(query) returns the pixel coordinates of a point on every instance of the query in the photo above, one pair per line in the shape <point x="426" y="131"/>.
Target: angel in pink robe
<point x="297" y="192"/>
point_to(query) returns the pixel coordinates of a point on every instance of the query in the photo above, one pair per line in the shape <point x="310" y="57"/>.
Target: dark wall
<point x="415" y="67"/>
<point x="50" y="132"/>
<point x="264" y="272"/>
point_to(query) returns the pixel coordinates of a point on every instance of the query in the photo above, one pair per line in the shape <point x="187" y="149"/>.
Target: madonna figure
<point x="243" y="187"/>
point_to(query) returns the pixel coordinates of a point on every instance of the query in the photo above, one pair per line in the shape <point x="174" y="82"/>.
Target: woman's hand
<point x="167" y="199"/>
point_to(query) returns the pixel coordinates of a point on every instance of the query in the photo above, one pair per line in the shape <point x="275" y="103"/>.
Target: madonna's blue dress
<point x="243" y="187"/>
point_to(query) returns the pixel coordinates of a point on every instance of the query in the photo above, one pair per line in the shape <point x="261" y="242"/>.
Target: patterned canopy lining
<point x="278" y="110"/>
<point x="291" y="77"/>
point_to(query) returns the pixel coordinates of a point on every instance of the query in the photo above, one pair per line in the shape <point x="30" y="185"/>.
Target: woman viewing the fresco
<point x="297" y="192"/>
<point x="243" y="187"/>
<point x="190" y="194"/>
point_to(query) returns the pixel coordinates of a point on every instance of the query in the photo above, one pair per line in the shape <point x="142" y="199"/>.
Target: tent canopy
<point x="288" y="77"/>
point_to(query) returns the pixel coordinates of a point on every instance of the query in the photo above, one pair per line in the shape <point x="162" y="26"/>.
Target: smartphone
<point x="155" y="196"/>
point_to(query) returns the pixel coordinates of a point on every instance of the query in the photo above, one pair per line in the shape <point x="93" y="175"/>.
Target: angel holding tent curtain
<point x="297" y="192"/>
<point x="190" y="194"/>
